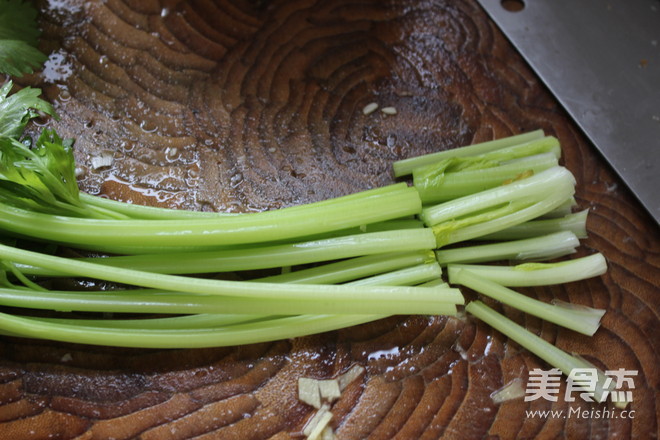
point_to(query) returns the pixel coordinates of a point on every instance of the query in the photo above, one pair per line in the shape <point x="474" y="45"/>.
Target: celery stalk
<point x="423" y="297"/>
<point x="158" y="301"/>
<point x="237" y="334"/>
<point x="538" y="274"/>
<point x="406" y="166"/>
<point x="585" y="320"/>
<point x="266" y="257"/>
<point x="450" y="185"/>
<point x="185" y="322"/>
<point x="203" y="328"/>
<point x="574" y="222"/>
<point x="371" y="207"/>
<point x="538" y="346"/>
<point x="533" y="188"/>
<point x="499" y="208"/>
<point x="352" y="269"/>
<point x="537" y="248"/>
<point x="442" y="301"/>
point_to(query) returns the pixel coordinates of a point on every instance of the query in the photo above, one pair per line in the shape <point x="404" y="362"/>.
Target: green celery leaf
<point x="17" y="57"/>
<point x="18" y="21"/>
<point x="40" y="179"/>
<point x="19" y="37"/>
<point x="56" y="156"/>
<point x="20" y="184"/>
<point x="17" y="109"/>
<point x="40" y="175"/>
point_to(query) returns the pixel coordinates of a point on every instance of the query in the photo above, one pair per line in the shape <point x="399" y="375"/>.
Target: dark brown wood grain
<point x="253" y="105"/>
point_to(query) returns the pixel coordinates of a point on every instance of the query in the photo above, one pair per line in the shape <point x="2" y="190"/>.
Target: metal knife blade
<point x="601" y="60"/>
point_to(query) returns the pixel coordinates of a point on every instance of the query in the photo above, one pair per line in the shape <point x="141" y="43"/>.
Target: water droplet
<point x="391" y="141"/>
<point x="236" y="180"/>
<point x="193" y="173"/>
<point x="64" y="95"/>
<point x="148" y="127"/>
<point x="172" y="154"/>
<point x="127" y="146"/>
<point x="41" y="121"/>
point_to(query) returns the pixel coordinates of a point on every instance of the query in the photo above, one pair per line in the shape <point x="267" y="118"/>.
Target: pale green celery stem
<point x="562" y="210"/>
<point x="575" y="223"/>
<point x="406" y="166"/>
<point x="387" y="225"/>
<point x="157" y="213"/>
<point x="411" y="299"/>
<point x="211" y="320"/>
<point x="547" y="144"/>
<point x="463" y="183"/>
<point x="441" y="302"/>
<point x="80" y="210"/>
<point x="237" y="334"/>
<point x="134" y="211"/>
<point x="174" y="303"/>
<point x="412" y="276"/>
<point x="537" y="248"/>
<point x="103" y="213"/>
<point x="186" y="322"/>
<point x="499" y="208"/>
<point x="352" y="269"/>
<point x="267" y="257"/>
<point x="150" y="301"/>
<point x="426" y="273"/>
<point x="19" y="275"/>
<point x="535" y="187"/>
<point x="390" y="225"/>
<point x="584" y="320"/>
<point x="373" y="206"/>
<point x="538" y="274"/>
<point x="506" y="221"/>
<point x="437" y="283"/>
<point x="536" y="345"/>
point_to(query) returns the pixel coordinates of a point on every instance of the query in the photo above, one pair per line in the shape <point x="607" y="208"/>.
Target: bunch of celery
<point x="369" y="257"/>
<point x="341" y="262"/>
<point x="513" y="197"/>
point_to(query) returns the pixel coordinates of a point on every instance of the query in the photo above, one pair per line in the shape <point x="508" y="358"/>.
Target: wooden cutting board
<point x="256" y="105"/>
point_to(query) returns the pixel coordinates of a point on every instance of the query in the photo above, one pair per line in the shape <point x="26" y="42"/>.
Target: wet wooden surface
<point x="245" y="106"/>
